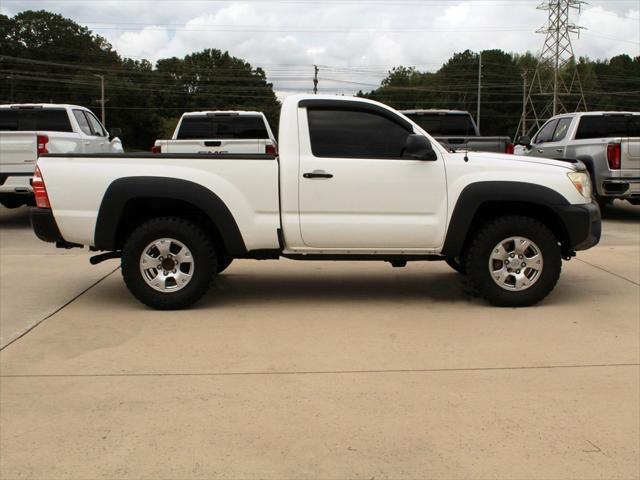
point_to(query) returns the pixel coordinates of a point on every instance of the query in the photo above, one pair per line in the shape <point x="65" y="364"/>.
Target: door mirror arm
<point x="114" y="132"/>
<point x="524" y="141"/>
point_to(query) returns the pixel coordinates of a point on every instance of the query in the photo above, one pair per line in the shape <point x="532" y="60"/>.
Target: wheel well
<point x="138" y="210"/>
<point x="545" y="215"/>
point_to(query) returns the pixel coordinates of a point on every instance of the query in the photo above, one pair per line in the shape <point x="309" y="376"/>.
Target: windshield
<point x="448" y="124"/>
<point x="222" y="127"/>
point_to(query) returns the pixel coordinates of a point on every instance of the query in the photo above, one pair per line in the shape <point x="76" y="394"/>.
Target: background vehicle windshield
<point x="435" y="124"/>
<point x="222" y="127"/>
<point x="37" y="119"/>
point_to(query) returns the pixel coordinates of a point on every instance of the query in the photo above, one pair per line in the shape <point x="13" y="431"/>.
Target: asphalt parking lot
<point x="318" y="370"/>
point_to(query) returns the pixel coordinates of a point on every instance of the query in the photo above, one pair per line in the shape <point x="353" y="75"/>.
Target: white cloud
<point x="289" y="37"/>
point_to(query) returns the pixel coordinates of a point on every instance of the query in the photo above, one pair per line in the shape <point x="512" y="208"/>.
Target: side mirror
<point x="418" y="147"/>
<point x="115" y="132"/>
<point x="524" y="140"/>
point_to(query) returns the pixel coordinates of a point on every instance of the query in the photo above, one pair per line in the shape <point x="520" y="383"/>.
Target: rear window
<point x="37" y="119"/>
<point x="222" y="127"/>
<point x="606" y="126"/>
<point x="450" y="124"/>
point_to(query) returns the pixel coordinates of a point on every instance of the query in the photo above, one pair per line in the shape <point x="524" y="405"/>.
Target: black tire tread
<point x="177" y="300"/>
<point x="477" y="284"/>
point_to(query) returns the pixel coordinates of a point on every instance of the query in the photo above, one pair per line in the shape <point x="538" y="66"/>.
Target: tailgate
<point x="630" y="150"/>
<point x="18" y="149"/>
<point x="215" y="146"/>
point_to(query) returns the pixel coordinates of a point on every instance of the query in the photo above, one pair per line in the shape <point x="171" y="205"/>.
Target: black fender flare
<point x="474" y="195"/>
<point x="123" y="190"/>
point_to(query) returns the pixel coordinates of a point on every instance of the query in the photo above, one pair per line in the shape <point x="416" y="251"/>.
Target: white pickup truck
<point x="30" y="130"/>
<point x="354" y="180"/>
<point x="220" y="132"/>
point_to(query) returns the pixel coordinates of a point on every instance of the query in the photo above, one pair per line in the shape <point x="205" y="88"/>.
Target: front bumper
<point x="583" y="224"/>
<point x="44" y="225"/>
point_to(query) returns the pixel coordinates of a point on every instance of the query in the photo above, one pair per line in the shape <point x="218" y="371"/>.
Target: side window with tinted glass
<point x="546" y="133"/>
<point x="349" y="133"/>
<point x="562" y="129"/>
<point x="82" y="122"/>
<point x="96" y="126"/>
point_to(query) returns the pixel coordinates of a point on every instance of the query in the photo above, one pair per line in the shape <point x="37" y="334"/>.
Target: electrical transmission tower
<point x="555" y="87"/>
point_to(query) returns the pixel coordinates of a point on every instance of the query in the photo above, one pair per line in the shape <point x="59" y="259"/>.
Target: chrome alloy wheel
<point x="516" y="264"/>
<point x="166" y="265"/>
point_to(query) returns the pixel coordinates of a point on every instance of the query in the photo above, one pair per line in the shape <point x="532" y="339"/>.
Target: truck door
<point x="551" y="140"/>
<point x="356" y="191"/>
<point x="90" y="143"/>
<point x="100" y="138"/>
<point x="539" y="144"/>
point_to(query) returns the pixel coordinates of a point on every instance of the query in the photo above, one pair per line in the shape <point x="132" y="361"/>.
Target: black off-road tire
<point x="194" y="238"/>
<point x="455" y="263"/>
<point x="481" y="247"/>
<point x="224" y="260"/>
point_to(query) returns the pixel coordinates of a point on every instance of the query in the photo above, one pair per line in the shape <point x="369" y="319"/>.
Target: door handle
<point x="559" y="150"/>
<point x="541" y="150"/>
<point x="317" y="174"/>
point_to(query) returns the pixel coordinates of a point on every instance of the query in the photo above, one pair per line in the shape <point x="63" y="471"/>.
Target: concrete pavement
<point x="334" y="370"/>
<point x="36" y="279"/>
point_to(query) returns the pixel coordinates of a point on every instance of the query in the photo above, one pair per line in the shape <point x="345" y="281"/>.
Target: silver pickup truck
<point x="456" y="130"/>
<point x="608" y="143"/>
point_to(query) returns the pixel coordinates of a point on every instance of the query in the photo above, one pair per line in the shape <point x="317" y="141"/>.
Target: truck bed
<point x="247" y="184"/>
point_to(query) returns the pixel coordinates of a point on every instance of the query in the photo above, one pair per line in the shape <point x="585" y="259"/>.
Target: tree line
<point x="45" y="57"/>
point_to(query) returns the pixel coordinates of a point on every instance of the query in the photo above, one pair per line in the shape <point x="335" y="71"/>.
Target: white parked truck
<point x="220" y="132"/>
<point x="30" y="130"/>
<point x="354" y="180"/>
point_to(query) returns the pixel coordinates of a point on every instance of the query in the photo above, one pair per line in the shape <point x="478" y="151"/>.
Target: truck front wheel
<point x="513" y="261"/>
<point x="168" y="263"/>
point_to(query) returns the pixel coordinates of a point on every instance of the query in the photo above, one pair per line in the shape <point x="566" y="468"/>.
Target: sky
<point x="353" y="42"/>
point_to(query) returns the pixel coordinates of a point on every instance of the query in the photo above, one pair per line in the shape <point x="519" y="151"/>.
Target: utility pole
<point x="101" y="101"/>
<point x="556" y="77"/>
<point x="315" y="80"/>
<point x="479" y="89"/>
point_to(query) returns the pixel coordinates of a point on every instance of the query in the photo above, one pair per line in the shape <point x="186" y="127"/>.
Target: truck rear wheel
<point x="168" y="263"/>
<point x="513" y="261"/>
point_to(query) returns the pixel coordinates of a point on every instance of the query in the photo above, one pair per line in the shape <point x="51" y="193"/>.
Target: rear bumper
<point x="44" y="225"/>
<point x="16" y="183"/>
<point x="583" y="224"/>
<point x="621" y="187"/>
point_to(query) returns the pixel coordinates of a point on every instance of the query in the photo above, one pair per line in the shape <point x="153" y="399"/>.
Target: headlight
<point x="582" y="182"/>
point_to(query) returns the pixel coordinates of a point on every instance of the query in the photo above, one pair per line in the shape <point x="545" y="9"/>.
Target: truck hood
<point x="567" y="164"/>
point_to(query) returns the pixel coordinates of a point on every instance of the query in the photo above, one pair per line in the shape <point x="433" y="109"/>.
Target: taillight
<point x="39" y="190"/>
<point x="271" y="150"/>
<point x="156" y="149"/>
<point x="42" y="144"/>
<point x="509" y="149"/>
<point x="614" y="152"/>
